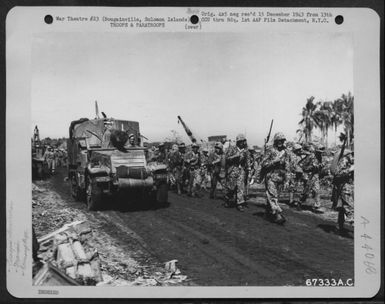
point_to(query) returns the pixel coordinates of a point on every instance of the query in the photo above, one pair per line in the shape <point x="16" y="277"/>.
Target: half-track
<point x="97" y="172"/>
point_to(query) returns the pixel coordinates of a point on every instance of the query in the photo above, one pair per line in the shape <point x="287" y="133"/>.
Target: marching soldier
<point x="193" y="164"/>
<point x="49" y="158"/>
<point x="236" y="173"/>
<point x="172" y="164"/>
<point x="249" y="180"/>
<point x="215" y="161"/>
<point x="161" y="154"/>
<point x="312" y="166"/>
<point x="296" y="173"/>
<point x="176" y="160"/>
<point x="204" y="161"/>
<point x="343" y="182"/>
<point x="276" y="167"/>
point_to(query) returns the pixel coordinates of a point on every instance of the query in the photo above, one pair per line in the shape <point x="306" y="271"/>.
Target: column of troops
<point x="297" y="170"/>
<point x="54" y="158"/>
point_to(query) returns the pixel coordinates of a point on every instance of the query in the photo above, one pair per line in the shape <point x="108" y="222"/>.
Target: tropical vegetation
<point x="327" y="116"/>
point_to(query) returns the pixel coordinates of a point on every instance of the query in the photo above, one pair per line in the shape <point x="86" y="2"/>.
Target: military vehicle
<point x="96" y="171"/>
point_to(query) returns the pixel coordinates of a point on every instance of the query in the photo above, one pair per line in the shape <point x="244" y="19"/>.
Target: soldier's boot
<point x="227" y="203"/>
<point x="291" y="199"/>
<point x="317" y="205"/>
<point x="279" y="219"/>
<point x="212" y="196"/>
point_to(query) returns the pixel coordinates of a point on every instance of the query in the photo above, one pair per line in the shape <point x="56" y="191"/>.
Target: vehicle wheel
<point x="341" y="219"/>
<point x="162" y="193"/>
<point x="40" y="171"/>
<point x="75" y="190"/>
<point x="94" y="196"/>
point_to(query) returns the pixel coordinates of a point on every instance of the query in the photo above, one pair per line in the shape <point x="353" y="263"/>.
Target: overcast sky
<point x="220" y="83"/>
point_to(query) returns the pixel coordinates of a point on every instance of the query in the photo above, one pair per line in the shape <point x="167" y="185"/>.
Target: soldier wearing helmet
<point x="295" y="173"/>
<point x="192" y="161"/>
<point x="204" y="169"/>
<point x="216" y="159"/>
<point x="131" y="140"/>
<point x="275" y="169"/>
<point x="49" y="159"/>
<point x="312" y="166"/>
<point x="176" y="165"/>
<point x="161" y="154"/>
<point x="343" y="186"/>
<point x="237" y="168"/>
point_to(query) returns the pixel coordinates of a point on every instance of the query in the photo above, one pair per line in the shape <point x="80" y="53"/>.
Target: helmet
<point x="194" y="145"/>
<point x="320" y="148"/>
<point x="182" y="145"/>
<point x="297" y="147"/>
<point x="131" y="135"/>
<point x="240" y="137"/>
<point x="279" y="136"/>
<point x="107" y="122"/>
<point x="161" y="144"/>
<point x="205" y="150"/>
<point x="219" y="145"/>
<point x="308" y="147"/>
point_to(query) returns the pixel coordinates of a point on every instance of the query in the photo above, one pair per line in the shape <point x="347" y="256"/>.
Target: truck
<point x="97" y="172"/>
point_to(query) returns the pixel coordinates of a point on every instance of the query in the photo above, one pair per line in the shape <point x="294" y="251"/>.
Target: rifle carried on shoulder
<point x="262" y="172"/>
<point x="268" y="137"/>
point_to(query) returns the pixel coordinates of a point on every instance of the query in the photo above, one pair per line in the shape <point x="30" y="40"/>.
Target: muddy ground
<point x="215" y="246"/>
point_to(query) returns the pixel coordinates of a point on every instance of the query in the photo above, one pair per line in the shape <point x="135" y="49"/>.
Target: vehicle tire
<point x="75" y="189"/>
<point x="40" y="171"/>
<point x="162" y="193"/>
<point x="94" y="195"/>
<point x="341" y="219"/>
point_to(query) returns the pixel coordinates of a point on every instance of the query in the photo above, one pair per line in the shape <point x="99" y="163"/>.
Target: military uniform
<point x="106" y="138"/>
<point x="204" y="169"/>
<point x="276" y="165"/>
<point x="215" y="161"/>
<point x="251" y="170"/>
<point x="176" y="163"/>
<point x="49" y="158"/>
<point x="160" y="155"/>
<point x="192" y="161"/>
<point x="296" y="172"/>
<point x="343" y="183"/>
<point x="312" y="166"/>
<point x="236" y="174"/>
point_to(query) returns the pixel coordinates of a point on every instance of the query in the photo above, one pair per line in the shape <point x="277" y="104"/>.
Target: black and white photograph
<point x="193" y="159"/>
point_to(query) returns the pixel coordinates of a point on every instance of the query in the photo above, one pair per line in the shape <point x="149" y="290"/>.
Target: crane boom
<point x="187" y="129"/>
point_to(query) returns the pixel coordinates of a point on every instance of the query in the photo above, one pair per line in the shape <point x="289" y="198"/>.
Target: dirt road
<point x="217" y="246"/>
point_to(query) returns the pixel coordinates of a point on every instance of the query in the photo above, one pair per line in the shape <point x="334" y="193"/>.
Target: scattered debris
<point x="170" y="266"/>
<point x="75" y="242"/>
<point x="67" y="250"/>
<point x="49" y="275"/>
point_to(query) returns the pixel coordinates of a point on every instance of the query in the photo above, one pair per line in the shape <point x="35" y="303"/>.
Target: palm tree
<point x="309" y="120"/>
<point x="323" y="119"/>
<point x="335" y="118"/>
<point x="347" y="116"/>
